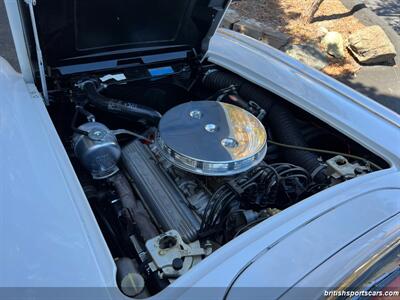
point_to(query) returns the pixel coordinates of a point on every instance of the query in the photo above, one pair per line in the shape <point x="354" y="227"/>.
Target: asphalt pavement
<point x="388" y="10"/>
<point x="6" y="42"/>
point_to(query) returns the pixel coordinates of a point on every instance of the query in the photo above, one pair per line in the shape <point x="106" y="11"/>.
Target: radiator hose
<point x="280" y="120"/>
<point x="119" y="107"/>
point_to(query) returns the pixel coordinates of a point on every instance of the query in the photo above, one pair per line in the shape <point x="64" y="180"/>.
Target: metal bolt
<point x="196" y="114"/>
<point x="211" y="127"/>
<point x="229" y="143"/>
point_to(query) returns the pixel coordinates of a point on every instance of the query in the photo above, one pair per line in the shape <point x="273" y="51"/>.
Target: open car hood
<point x="84" y="31"/>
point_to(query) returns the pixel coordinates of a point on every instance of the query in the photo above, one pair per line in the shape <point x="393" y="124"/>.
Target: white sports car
<point x="144" y="154"/>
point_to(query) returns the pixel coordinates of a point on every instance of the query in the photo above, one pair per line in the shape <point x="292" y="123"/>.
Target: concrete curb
<point x="369" y="18"/>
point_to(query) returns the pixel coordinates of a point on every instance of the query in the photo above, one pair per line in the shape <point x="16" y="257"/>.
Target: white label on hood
<point x="116" y="77"/>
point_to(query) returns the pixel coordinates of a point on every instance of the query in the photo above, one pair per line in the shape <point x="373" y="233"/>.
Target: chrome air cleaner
<point x="211" y="138"/>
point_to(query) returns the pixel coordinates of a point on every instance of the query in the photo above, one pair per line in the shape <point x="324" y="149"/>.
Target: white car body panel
<point x="46" y="221"/>
<point x="52" y="238"/>
<point x="339" y="267"/>
<point x="300" y="253"/>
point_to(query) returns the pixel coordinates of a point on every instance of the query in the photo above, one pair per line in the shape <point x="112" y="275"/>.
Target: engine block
<point x="166" y="203"/>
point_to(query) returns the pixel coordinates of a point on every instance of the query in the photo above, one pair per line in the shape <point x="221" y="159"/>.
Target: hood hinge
<point x="31" y="4"/>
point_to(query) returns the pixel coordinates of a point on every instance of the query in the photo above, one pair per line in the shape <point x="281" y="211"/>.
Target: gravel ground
<point x="289" y="16"/>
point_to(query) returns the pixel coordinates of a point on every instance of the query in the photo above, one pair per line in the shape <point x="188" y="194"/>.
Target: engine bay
<point x="199" y="157"/>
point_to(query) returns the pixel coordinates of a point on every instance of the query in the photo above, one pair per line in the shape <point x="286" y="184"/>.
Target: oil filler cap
<point x="211" y="138"/>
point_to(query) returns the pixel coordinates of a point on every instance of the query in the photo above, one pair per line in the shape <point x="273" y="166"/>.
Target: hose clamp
<point x="317" y="170"/>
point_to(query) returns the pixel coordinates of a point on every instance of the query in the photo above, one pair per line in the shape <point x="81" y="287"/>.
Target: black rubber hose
<point x="281" y="121"/>
<point x="119" y="107"/>
<point x="133" y="206"/>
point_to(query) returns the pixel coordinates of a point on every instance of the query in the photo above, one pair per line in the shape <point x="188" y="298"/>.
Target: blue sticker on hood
<point x="161" y="71"/>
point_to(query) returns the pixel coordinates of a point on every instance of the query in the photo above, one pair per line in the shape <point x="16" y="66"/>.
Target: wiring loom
<point x="279" y="184"/>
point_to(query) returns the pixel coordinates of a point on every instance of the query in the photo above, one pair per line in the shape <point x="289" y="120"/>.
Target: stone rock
<point x="262" y="32"/>
<point x="371" y="46"/>
<point x="309" y="55"/>
<point x="231" y="17"/>
<point x="333" y="44"/>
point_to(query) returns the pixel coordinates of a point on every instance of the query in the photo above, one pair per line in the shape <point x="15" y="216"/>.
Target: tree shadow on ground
<point x="390" y="101"/>
<point x="340" y="16"/>
<point x="389" y="9"/>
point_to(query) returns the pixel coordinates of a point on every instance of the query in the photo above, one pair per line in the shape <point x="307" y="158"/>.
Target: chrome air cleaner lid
<point x="211" y="138"/>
